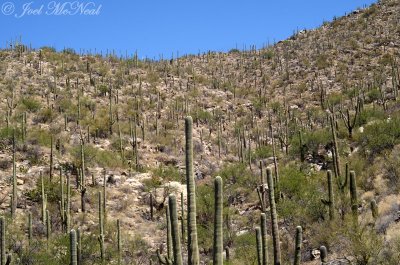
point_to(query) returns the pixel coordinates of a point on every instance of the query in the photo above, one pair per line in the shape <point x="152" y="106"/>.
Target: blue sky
<point x="155" y="27"/>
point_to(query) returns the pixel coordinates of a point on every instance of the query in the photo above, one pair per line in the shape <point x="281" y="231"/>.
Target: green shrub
<point x="30" y="104"/>
<point x="380" y="135"/>
<point x="39" y="136"/>
<point x="168" y="173"/>
<point x="303" y="203"/>
<point x="96" y="157"/>
<point x="238" y="179"/>
<point x="370" y="114"/>
<point x="313" y="140"/>
<point x="262" y="152"/>
<point x="245" y="249"/>
<point x="52" y="190"/>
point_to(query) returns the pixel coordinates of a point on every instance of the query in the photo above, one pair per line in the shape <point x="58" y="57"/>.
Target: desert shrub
<point x="6" y="133"/>
<point x="373" y="95"/>
<point x="202" y="115"/>
<point x="137" y="251"/>
<point x="392" y="168"/>
<point x="96" y="157"/>
<point x="370" y="11"/>
<point x="334" y="99"/>
<point x="391" y="252"/>
<point x="322" y="61"/>
<point x="168" y="173"/>
<point x="44" y="116"/>
<point x="380" y="135"/>
<point x="52" y="190"/>
<point x="365" y="245"/>
<point x="34" y="154"/>
<point x="238" y="179"/>
<point x="262" y="152"/>
<point x="303" y="196"/>
<point x="312" y="141"/>
<point x="268" y="54"/>
<point x="245" y="249"/>
<point x="38" y="136"/>
<point x="30" y="104"/>
<point x="233" y="51"/>
<point x="370" y="114"/>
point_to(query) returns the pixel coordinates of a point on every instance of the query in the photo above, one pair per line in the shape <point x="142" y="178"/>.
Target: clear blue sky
<point x="155" y="27"/>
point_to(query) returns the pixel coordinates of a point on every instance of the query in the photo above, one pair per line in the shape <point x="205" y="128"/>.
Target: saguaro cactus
<point x="119" y="240"/>
<point x="48" y="226"/>
<point x="323" y="255"/>
<point x="83" y="181"/>
<point x="2" y="241"/>
<point x="43" y="197"/>
<point x="274" y="219"/>
<point x="261" y="191"/>
<point x="30" y="228"/>
<point x="302" y="148"/>
<point x="218" y="220"/>
<point x="176" y="242"/>
<point x="374" y="209"/>
<point x="51" y="158"/>
<point x="330" y="202"/>
<point x="335" y="149"/>
<point x="169" y="234"/>
<point x="264" y="239"/>
<point x="68" y="206"/>
<point x="14" y="187"/>
<point x="104" y="196"/>
<point x="72" y="248"/>
<point x="151" y="207"/>
<point x="183" y="220"/>
<point x="62" y="201"/>
<point x="297" y="250"/>
<point x="193" y="249"/>
<point x="101" y="226"/>
<point x="353" y="195"/>
<point x="259" y="246"/>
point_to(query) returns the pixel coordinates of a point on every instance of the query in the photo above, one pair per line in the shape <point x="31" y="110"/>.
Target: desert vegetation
<point x="284" y="154"/>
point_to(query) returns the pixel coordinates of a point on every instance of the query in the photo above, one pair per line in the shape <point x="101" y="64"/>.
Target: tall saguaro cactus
<point x="259" y="246"/>
<point x="14" y="187"/>
<point x="30" y="231"/>
<point x="335" y="149"/>
<point x="218" y="220"/>
<point x="68" y="219"/>
<point x="353" y="195"/>
<point x="176" y="241"/>
<point x="43" y="197"/>
<point x="169" y="234"/>
<point x="264" y="240"/>
<point x="274" y="219"/>
<point x="183" y="220"/>
<point x="101" y="226"/>
<point x="51" y="158"/>
<point x="297" y="250"/>
<point x="62" y="201"/>
<point x="2" y="241"/>
<point x="73" y="248"/>
<point x="119" y="241"/>
<point x="330" y="202"/>
<point x="193" y="249"/>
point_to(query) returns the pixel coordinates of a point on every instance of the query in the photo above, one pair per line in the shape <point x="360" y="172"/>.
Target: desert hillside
<point x="97" y="143"/>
